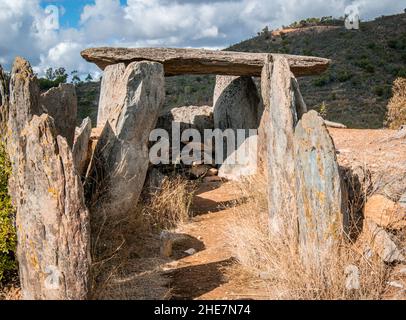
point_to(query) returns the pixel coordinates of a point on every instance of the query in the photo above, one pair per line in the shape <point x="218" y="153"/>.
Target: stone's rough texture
<point x="111" y="92"/>
<point x="301" y="107"/>
<point x="190" y="117"/>
<point x="385" y="213"/>
<point x="352" y="281"/>
<point x="236" y="103"/>
<point x="24" y="94"/>
<point x="154" y="181"/>
<point x="4" y="103"/>
<point x="382" y="243"/>
<point x="197" y="61"/>
<point x="263" y="139"/>
<point x="52" y="219"/>
<point x="61" y="104"/>
<point x="120" y="161"/>
<point x="319" y="195"/>
<point x="280" y="108"/>
<point x="81" y="147"/>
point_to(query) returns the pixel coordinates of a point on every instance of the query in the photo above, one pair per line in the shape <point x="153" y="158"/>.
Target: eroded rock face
<point x="52" y="219"/>
<point x="280" y="109"/>
<point x="320" y="202"/>
<point x="111" y="92"/>
<point x="24" y="104"/>
<point x="385" y="213"/>
<point x="121" y="158"/>
<point x="381" y="243"/>
<point x="61" y="104"/>
<point x="81" y="147"/>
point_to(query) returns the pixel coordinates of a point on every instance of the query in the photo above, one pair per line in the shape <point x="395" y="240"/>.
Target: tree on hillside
<point x="75" y="77"/>
<point x="53" y="78"/>
<point x="89" y="78"/>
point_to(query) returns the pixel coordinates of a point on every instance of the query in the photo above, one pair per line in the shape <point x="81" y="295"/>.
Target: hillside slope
<point x="357" y="87"/>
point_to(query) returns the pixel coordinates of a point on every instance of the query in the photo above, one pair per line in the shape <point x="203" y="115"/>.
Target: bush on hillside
<point x="7" y="230"/>
<point x="396" y="116"/>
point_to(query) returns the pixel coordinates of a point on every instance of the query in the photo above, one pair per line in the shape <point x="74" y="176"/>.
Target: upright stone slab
<point x="280" y="110"/>
<point x="24" y="96"/>
<point x="81" y="147"/>
<point x="320" y="204"/>
<point x="111" y="92"/>
<point x="61" y="104"/>
<point x="237" y="105"/>
<point x="121" y="159"/>
<point x="52" y="219"/>
<point x="4" y="105"/>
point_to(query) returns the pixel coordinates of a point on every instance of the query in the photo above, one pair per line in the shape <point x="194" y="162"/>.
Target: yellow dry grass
<point x="276" y="258"/>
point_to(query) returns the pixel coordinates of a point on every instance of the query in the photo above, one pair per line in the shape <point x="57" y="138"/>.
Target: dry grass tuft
<point x="396" y="116"/>
<point x="170" y="206"/>
<point x="276" y="259"/>
<point x="130" y="249"/>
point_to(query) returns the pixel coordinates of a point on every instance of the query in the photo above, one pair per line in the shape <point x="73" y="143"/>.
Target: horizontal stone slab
<point x="198" y="61"/>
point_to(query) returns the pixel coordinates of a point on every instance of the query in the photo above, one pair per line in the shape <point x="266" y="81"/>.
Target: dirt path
<point x="212" y="273"/>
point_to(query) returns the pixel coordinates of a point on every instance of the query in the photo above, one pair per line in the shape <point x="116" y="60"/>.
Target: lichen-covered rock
<point x="23" y="104"/>
<point x="4" y="97"/>
<point x="281" y="118"/>
<point x="189" y="117"/>
<point x="121" y="158"/>
<point x="81" y="147"/>
<point x="320" y="204"/>
<point x="111" y="92"/>
<point x="52" y="219"/>
<point x="61" y="104"/>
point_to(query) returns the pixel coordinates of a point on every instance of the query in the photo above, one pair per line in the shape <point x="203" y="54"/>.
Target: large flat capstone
<point x="198" y="61"/>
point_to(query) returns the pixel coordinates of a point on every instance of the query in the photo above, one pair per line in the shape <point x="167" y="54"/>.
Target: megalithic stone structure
<point x="61" y="104"/>
<point x="278" y="127"/>
<point x="320" y="200"/>
<point x="52" y="220"/>
<point x="121" y="158"/>
<point x="305" y="194"/>
<point x="199" y="61"/>
<point x="237" y="106"/>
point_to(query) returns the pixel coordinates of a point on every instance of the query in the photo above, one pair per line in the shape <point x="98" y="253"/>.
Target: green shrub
<point x="8" y="237"/>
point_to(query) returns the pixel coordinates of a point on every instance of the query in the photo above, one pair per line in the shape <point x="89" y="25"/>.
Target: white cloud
<point x="181" y="23"/>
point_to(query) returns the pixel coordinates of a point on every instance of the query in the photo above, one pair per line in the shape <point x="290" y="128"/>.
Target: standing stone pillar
<point x="320" y="202"/>
<point x="304" y="185"/>
<point x="61" y="104"/>
<point x="52" y="220"/>
<point x="237" y="105"/>
<point x="280" y="118"/>
<point x="4" y="106"/>
<point x="111" y="92"/>
<point x="121" y="158"/>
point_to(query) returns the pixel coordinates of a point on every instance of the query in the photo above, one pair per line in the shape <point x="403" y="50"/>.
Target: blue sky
<point x="214" y="24"/>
